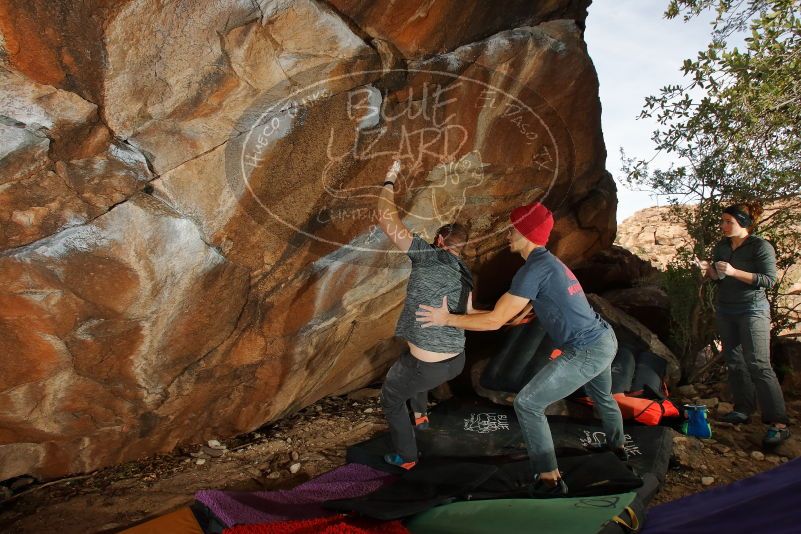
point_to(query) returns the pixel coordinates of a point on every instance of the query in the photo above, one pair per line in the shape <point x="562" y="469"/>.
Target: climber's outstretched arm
<point x="388" y="218"/>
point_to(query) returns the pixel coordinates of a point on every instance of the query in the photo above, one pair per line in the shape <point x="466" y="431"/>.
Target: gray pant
<point x="588" y="366"/>
<point x="746" y="350"/>
<point x="409" y="379"/>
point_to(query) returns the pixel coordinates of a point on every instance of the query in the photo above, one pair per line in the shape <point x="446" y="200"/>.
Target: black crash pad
<point x="476" y="429"/>
<point x="437" y="481"/>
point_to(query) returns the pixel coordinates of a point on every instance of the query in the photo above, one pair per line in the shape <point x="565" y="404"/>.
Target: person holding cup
<point x="744" y="266"/>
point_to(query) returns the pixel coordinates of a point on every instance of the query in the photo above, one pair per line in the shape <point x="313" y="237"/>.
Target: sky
<point x="636" y="51"/>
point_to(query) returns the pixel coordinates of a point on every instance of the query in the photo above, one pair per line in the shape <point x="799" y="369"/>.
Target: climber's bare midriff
<point x="429" y="356"/>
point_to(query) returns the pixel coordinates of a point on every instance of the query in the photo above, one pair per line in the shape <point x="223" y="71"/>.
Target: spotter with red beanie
<point x="588" y="343"/>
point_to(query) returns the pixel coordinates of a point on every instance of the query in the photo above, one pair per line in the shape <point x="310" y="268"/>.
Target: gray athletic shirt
<point x="435" y="273"/>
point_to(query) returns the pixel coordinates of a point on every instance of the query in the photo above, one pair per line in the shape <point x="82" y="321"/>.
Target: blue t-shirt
<point x="558" y="300"/>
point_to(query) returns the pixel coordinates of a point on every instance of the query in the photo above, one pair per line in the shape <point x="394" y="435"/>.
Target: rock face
<point x="630" y="284"/>
<point x="187" y="197"/>
<point x="613" y="268"/>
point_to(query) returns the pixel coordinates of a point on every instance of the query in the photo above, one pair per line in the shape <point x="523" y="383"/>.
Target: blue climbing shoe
<point x="398" y="461"/>
<point x="775" y="436"/>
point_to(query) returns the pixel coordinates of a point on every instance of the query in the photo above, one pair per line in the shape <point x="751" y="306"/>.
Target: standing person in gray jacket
<point x="433" y="356"/>
<point x="744" y="266"/>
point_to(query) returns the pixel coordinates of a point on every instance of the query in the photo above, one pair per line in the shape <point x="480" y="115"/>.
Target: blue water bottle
<point x="696" y="423"/>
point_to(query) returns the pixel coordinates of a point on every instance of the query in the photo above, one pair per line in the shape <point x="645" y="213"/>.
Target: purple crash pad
<point x="767" y="502"/>
<point x="301" y="502"/>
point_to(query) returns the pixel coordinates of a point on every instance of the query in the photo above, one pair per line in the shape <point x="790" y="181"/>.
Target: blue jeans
<point x="589" y="366"/>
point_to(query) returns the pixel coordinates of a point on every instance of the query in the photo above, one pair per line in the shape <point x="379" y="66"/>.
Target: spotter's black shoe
<point x="544" y="489"/>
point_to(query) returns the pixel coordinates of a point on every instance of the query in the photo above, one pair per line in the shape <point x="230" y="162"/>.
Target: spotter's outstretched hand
<point x="431" y="316"/>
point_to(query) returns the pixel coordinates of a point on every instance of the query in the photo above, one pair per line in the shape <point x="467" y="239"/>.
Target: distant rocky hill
<point x="651" y="235"/>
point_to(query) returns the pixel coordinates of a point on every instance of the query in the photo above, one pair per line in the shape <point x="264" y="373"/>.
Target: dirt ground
<point x="303" y="446"/>
<point x="311" y="442"/>
<point x="734" y="452"/>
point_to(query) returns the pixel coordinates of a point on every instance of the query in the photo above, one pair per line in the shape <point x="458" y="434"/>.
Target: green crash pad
<point x="584" y="515"/>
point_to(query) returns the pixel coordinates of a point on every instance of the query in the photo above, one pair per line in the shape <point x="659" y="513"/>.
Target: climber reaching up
<point x="433" y="355"/>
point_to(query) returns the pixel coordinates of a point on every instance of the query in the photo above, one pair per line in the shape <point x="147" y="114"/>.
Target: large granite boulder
<point x="613" y="268"/>
<point x="187" y="192"/>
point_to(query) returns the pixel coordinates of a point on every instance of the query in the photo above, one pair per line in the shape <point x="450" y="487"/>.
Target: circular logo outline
<point x="282" y="105"/>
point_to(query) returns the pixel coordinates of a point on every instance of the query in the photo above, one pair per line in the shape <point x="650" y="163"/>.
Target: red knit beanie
<point x="534" y="221"/>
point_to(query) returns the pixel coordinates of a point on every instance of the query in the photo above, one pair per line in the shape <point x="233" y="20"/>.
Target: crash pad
<point x="471" y="429"/>
<point x="584" y="515"/>
<point x="181" y="521"/>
